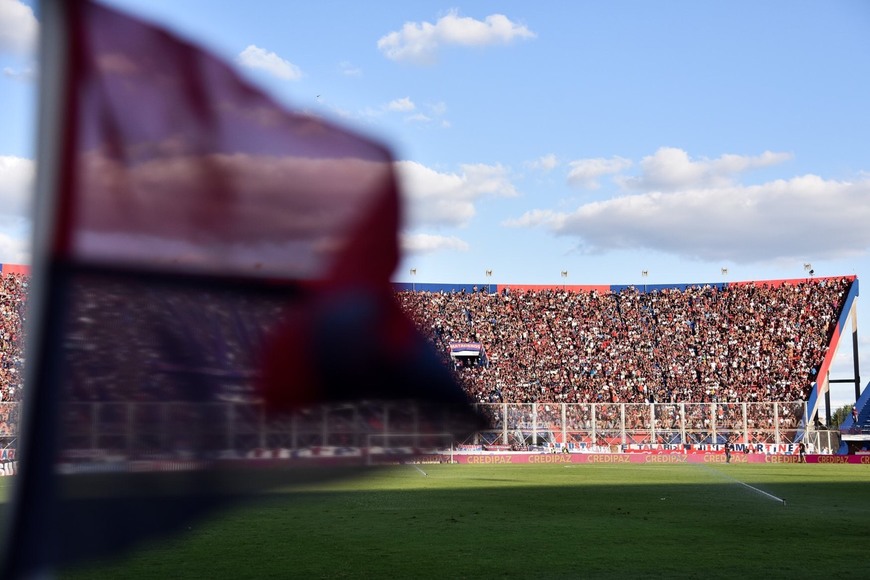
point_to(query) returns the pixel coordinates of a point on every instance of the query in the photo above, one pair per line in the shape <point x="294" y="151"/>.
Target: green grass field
<point x="549" y="521"/>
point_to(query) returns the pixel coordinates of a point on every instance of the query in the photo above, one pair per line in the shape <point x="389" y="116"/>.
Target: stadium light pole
<point x="413" y="279"/>
<point x="644" y="274"/>
<point x="488" y="276"/>
<point x="564" y="275"/>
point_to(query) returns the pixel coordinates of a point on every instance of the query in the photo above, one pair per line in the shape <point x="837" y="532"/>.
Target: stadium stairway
<point x="853" y="431"/>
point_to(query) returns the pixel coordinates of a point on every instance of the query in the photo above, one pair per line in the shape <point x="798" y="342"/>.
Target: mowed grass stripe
<point x="592" y="521"/>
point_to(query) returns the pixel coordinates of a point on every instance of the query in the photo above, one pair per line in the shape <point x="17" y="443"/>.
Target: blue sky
<point x="599" y="138"/>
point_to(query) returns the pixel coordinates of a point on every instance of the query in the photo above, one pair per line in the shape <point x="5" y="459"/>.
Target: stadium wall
<point x="14" y="269"/>
<point x="615" y="288"/>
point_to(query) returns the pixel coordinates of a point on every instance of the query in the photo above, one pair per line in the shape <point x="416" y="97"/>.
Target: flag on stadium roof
<point x="207" y="265"/>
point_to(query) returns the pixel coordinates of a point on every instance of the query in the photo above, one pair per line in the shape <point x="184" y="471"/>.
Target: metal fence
<point x="9" y="423"/>
<point x="621" y="424"/>
<point x="135" y="429"/>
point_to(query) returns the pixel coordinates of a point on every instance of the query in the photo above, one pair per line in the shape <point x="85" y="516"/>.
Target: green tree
<point x="840" y="415"/>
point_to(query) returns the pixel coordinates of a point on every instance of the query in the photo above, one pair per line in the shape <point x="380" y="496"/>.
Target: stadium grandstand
<point x="755" y="341"/>
<point x="13" y="300"/>
<point x="751" y="354"/>
<point x="555" y="367"/>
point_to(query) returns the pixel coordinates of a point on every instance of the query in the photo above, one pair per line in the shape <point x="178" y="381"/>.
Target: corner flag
<point x="211" y="311"/>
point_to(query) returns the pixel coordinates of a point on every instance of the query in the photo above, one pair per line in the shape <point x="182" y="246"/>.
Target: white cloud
<point x="448" y="199"/>
<point x="16" y="186"/>
<point x="671" y="169"/>
<point x="348" y="69"/>
<point x="429" y="243"/>
<point x="585" y="172"/>
<point x="260" y="58"/>
<point x="14" y="249"/>
<point x="546" y="163"/>
<point x="419" y="42"/>
<point x="25" y="74"/>
<point x="367" y="113"/>
<point x="438" y="108"/>
<point x="539" y="217"/>
<point x="801" y="218"/>
<point x="418" y="118"/>
<point x="18" y="28"/>
<point x="435" y="110"/>
<point x="16" y="190"/>
<point x="404" y="104"/>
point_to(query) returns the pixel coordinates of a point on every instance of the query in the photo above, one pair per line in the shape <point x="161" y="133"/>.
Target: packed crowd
<point x="13" y="297"/>
<point x="742" y="343"/>
<point x="172" y="341"/>
<point x="13" y="292"/>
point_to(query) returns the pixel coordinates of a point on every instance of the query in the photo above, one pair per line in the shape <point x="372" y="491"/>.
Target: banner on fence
<point x="707" y="457"/>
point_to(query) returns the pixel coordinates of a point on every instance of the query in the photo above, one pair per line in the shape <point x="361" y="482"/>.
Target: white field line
<point x="755" y="489"/>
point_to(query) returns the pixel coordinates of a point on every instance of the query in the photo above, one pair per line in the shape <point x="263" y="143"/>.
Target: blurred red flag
<point x="208" y="264"/>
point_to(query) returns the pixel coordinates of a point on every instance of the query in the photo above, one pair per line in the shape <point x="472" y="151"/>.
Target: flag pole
<point x="27" y="543"/>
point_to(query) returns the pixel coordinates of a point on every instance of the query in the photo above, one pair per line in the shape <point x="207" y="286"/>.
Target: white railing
<point x="136" y="428"/>
<point x="631" y="424"/>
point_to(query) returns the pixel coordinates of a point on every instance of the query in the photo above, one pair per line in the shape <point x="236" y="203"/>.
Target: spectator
<point x="750" y="343"/>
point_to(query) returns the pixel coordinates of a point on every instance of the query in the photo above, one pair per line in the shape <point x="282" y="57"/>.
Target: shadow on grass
<point x="488" y="528"/>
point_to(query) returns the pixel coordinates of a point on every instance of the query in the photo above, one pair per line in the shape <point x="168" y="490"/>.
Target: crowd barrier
<point x="135" y="428"/>
<point x="667" y="458"/>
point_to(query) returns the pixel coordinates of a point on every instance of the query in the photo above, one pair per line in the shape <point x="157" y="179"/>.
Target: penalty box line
<point x="755" y="489"/>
